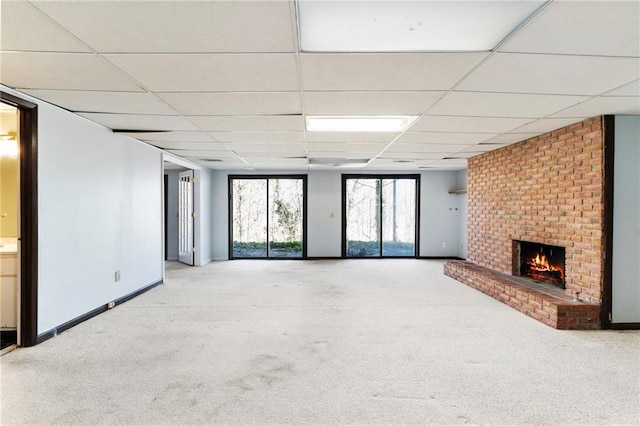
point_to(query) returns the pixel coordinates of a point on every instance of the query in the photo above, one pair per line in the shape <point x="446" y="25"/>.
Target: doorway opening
<point x="380" y="215"/>
<point x="267" y="217"/>
<point x="9" y="225"/>
<point x="19" y="221"/>
<point x="179" y="222"/>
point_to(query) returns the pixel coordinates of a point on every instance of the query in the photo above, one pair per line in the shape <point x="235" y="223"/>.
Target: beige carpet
<point x="331" y="342"/>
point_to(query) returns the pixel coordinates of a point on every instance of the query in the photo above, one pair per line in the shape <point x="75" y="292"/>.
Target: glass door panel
<point x="398" y="217"/>
<point x="363" y="217"/>
<point x="286" y="202"/>
<point x="249" y="218"/>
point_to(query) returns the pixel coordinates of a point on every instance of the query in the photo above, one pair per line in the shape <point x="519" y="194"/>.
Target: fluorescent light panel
<point x="409" y="26"/>
<point x="395" y="123"/>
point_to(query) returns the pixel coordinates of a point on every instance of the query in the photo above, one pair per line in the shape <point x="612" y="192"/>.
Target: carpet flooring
<point x="386" y="341"/>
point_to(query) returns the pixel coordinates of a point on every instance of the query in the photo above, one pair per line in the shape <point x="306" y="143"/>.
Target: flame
<point x="541" y="263"/>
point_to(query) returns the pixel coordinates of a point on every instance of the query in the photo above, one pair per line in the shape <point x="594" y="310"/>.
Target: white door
<point x="185" y="218"/>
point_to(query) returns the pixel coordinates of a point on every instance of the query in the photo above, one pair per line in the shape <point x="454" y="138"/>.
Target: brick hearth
<point x="542" y="302"/>
<point x="548" y="189"/>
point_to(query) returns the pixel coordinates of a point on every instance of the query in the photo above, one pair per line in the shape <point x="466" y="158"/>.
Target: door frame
<point x="303" y="177"/>
<point x="345" y="177"/>
<point x="28" y="244"/>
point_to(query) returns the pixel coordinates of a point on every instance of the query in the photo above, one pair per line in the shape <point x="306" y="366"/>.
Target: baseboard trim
<point x="323" y="257"/>
<point x="625" y="326"/>
<point x="97" y="311"/>
<point x="440" y="258"/>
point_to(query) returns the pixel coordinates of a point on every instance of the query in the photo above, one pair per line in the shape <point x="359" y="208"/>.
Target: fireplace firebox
<point x="540" y="262"/>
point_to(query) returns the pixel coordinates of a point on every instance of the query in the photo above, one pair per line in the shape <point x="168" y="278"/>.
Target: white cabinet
<point x="8" y="291"/>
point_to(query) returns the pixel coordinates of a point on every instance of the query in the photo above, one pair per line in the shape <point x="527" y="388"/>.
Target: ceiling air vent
<point x="337" y="162"/>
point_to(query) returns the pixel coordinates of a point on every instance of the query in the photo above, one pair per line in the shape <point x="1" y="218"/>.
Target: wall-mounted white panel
<point x="626" y="221"/>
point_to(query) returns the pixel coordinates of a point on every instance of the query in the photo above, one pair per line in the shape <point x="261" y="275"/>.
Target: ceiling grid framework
<point x="227" y="82"/>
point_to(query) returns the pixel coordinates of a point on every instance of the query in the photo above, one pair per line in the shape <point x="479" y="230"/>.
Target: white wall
<point x="439" y="219"/>
<point x="324" y="214"/>
<point x="172" y="214"/>
<point x="462" y="205"/>
<point x="206" y="208"/>
<point x="439" y="214"/>
<point x="626" y="221"/>
<point x="100" y="210"/>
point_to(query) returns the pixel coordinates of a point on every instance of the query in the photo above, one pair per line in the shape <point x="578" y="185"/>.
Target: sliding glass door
<point x="267" y="216"/>
<point x="380" y="215"/>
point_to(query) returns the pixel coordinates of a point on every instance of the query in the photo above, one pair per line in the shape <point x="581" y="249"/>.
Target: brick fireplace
<point x="547" y="190"/>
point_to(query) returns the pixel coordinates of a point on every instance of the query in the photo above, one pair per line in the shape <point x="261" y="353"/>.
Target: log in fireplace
<point x="540" y="262"/>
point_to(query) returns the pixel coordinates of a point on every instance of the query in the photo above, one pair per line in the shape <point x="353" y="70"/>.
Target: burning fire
<point x="541" y="263"/>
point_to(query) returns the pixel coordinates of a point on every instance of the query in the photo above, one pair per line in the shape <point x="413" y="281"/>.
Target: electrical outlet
<point x="117" y="276"/>
<point x="444" y="244"/>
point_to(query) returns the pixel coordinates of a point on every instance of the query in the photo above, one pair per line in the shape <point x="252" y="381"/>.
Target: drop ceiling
<point x="226" y="84"/>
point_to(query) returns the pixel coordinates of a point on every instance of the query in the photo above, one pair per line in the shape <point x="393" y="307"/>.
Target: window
<point x="267" y="216"/>
<point x="380" y="215"/>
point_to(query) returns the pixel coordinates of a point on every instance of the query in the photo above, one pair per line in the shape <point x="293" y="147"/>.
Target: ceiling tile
<point x="222" y="153"/>
<point x="70" y="71"/>
<point x="140" y="122"/>
<point x="369" y="103"/>
<point x="478" y="149"/>
<point x="276" y="161"/>
<point x="425" y="148"/>
<point x="296" y="148"/>
<point x="607" y="28"/>
<point x="258" y="136"/>
<point x="603" y="105"/>
<point x="195" y="146"/>
<point x="408" y="155"/>
<point x="554" y="74"/>
<point x="509" y="138"/>
<point x="234" y="103"/>
<point x="444" y="138"/>
<point x="248" y="123"/>
<point x="215" y="72"/>
<point x="272" y="154"/>
<point x="181" y="136"/>
<point x="431" y="123"/>
<point x="25" y="28"/>
<point x="502" y="104"/>
<point x="110" y="102"/>
<point x="345" y="147"/>
<point x="396" y="71"/>
<point x="631" y="89"/>
<point x="547" y="125"/>
<point x="351" y="155"/>
<point x="209" y="26"/>
<point x="351" y="137"/>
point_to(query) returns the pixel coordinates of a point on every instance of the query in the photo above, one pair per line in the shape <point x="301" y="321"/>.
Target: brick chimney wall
<point x="548" y="189"/>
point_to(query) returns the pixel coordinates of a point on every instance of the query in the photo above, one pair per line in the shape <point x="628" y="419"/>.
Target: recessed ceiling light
<point x="409" y="26"/>
<point x="396" y="123"/>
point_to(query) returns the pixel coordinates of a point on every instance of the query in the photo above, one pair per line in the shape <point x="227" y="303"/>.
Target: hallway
<point x="331" y="341"/>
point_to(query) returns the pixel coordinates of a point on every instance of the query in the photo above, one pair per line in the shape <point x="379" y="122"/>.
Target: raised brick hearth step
<point x="543" y="302"/>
